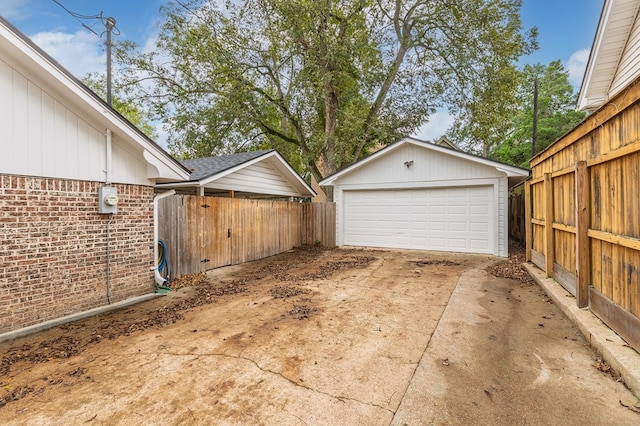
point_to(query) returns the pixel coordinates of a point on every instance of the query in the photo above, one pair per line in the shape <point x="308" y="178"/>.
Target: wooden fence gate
<point x="202" y="233"/>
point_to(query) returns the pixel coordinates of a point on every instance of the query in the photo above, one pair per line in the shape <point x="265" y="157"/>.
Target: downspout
<point x="107" y="180"/>
<point x="160" y="280"/>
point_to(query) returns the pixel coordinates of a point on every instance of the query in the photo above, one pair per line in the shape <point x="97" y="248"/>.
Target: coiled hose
<point x="163" y="264"/>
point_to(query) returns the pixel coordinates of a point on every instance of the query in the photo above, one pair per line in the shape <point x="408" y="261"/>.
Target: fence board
<point x="527" y="218"/>
<point x="633" y="279"/>
<point x="168" y="210"/>
<point x="596" y="264"/>
<point x="615" y="290"/>
<point x="192" y="234"/>
<point x="203" y="233"/>
<point x="217" y="224"/>
<point x="582" y="254"/>
<point x="607" y="270"/>
<point x="565" y="278"/>
<point x="549" y="250"/>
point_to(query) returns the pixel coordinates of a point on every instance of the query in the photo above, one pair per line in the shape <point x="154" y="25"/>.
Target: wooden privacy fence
<point x="203" y="233"/>
<point x="582" y="215"/>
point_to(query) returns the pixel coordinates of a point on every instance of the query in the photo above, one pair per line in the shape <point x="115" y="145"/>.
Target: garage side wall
<point x="53" y="260"/>
<point x="502" y="192"/>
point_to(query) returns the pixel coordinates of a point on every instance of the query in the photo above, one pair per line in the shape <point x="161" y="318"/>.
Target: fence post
<point x="583" y="255"/>
<point x="548" y="225"/>
<point x="528" y="226"/>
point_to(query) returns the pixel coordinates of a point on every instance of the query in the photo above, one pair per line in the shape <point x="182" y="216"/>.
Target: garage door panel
<point x="437" y="244"/>
<point x="458" y="226"/>
<point x="458" y="209"/>
<point x="479" y="209"/>
<point x="479" y="245"/>
<point x="437" y="226"/>
<point x="479" y="227"/>
<point x="446" y="219"/>
<point x="460" y="243"/>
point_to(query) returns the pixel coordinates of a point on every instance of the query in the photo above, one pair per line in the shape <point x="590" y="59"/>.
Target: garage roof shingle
<point x="209" y="166"/>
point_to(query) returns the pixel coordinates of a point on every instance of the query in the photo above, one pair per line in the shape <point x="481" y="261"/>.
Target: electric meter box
<point x="107" y="200"/>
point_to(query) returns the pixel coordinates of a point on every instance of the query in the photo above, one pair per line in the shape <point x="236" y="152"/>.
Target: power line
<point x="110" y="28"/>
<point x="97" y="17"/>
<point x="77" y="15"/>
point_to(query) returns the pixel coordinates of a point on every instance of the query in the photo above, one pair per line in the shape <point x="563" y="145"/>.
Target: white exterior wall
<point x="629" y="67"/>
<point x="430" y="169"/>
<point x="42" y="137"/>
<point x="260" y="177"/>
<point x="502" y="203"/>
<point x="389" y="171"/>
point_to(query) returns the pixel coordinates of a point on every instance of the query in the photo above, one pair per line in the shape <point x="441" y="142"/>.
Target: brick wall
<point x="53" y="248"/>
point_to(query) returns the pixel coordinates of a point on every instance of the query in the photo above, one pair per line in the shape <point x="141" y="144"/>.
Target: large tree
<point x="323" y="81"/>
<point x="121" y="103"/>
<point x="556" y="113"/>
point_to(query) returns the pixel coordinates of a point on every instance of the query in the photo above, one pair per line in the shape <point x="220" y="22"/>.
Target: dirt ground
<point x="323" y="337"/>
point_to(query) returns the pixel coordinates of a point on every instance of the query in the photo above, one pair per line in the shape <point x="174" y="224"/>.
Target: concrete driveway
<point x="312" y="337"/>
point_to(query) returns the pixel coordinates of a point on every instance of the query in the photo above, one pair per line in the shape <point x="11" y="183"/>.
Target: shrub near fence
<point x="203" y="233"/>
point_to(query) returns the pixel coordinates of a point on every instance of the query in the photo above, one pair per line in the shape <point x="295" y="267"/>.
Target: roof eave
<point x="56" y="75"/>
<point x="297" y="183"/>
<point x="510" y="171"/>
<point x="606" y="52"/>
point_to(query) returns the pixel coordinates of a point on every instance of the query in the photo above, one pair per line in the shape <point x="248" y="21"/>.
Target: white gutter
<point x="159" y="278"/>
<point x="107" y="180"/>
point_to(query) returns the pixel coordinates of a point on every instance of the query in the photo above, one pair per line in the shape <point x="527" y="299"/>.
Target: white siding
<point x="260" y="177"/>
<point x="629" y="66"/>
<point x="49" y="120"/>
<point x="428" y="166"/>
<point x="42" y="137"/>
<point x="6" y="112"/>
<point x="613" y="55"/>
<point x="502" y="204"/>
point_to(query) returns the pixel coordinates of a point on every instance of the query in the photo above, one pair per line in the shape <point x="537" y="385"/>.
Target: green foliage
<point x="556" y="113"/>
<point x="323" y="81"/>
<point x="482" y="113"/>
<point x="122" y="104"/>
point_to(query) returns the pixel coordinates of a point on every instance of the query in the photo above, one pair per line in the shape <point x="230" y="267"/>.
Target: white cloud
<point x="81" y="52"/>
<point x="576" y="65"/>
<point x="437" y="125"/>
<point x="150" y="44"/>
<point x="13" y="9"/>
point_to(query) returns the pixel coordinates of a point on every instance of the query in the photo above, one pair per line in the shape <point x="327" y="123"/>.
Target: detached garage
<point x="418" y="195"/>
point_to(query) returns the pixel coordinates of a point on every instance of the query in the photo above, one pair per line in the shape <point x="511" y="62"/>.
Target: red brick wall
<point x="53" y="248"/>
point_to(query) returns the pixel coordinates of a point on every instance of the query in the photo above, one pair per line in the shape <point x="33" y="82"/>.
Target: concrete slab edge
<point x="25" y="331"/>
<point x="608" y="345"/>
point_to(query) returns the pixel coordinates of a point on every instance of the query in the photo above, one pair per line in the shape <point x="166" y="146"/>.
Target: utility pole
<point x="109" y="23"/>
<point x="534" y="139"/>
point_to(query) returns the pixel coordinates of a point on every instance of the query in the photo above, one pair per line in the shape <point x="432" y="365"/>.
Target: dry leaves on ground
<point x="512" y="267"/>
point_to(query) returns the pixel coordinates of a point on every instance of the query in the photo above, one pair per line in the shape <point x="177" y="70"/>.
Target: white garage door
<point x="443" y="219"/>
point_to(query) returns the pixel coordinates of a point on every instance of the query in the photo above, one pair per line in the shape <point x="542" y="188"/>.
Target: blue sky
<point x="566" y="30"/>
